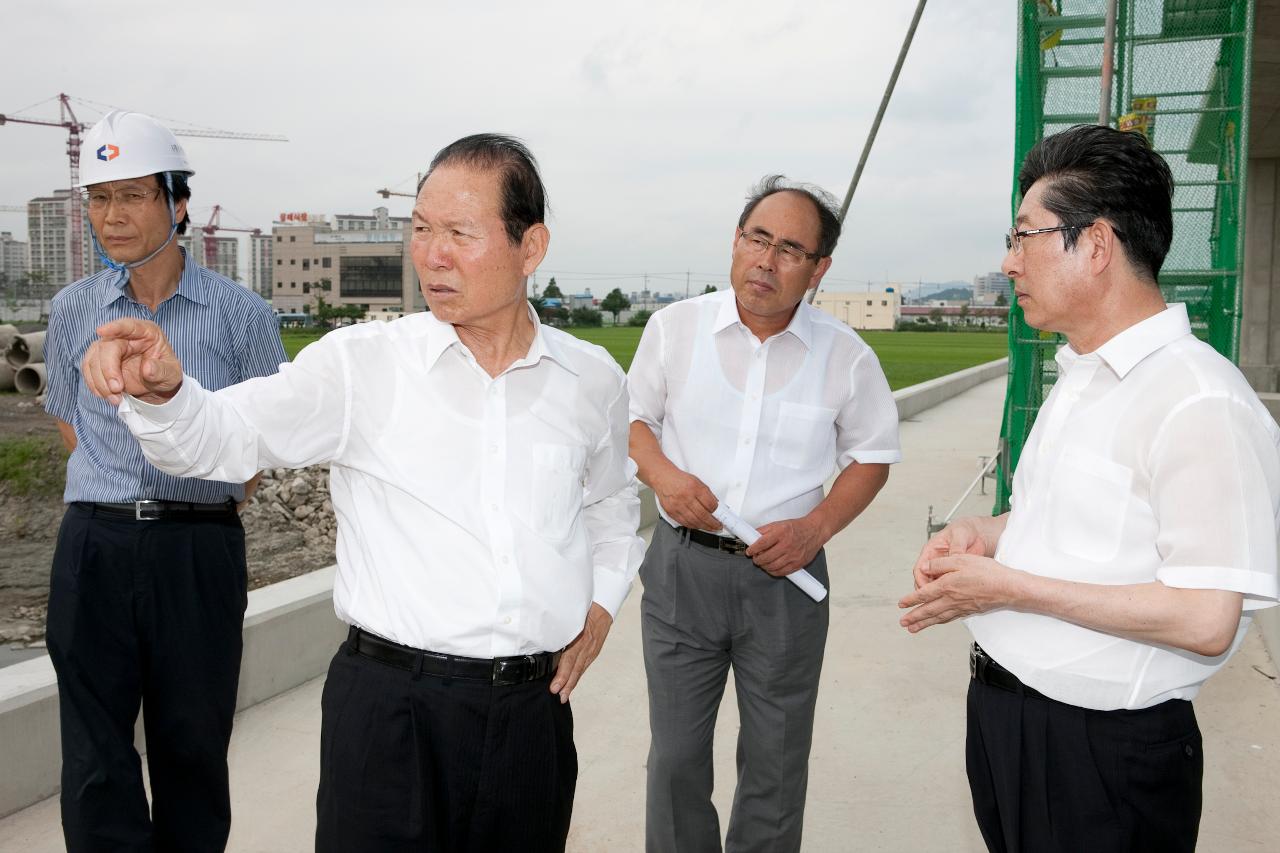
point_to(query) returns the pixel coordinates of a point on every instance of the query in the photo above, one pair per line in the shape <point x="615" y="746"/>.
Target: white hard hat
<point x="129" y="145"/>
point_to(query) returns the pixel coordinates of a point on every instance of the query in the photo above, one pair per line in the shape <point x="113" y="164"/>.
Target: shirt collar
<point x="801" y="325"/>
<point x="190" y="284"/>
<point x="443" y="336"/>
<point x="1125" y="350"/>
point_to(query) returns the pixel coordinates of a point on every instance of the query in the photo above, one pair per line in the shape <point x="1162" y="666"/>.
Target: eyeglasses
<point x="1013" y="237"/>
<point x="788" y="254"/>
<point x="127" y="197"/>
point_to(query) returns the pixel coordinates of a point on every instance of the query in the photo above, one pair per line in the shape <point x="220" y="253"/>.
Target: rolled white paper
<point x="733" y="523"/>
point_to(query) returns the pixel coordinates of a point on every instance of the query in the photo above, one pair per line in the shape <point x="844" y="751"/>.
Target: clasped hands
<point x="955" y="577"/>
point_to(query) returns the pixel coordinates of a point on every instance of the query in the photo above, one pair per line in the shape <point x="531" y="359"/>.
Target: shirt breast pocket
<point x="804" y="435"/>
<point x="1088" y="505"/>
<point x="555" y="495"/>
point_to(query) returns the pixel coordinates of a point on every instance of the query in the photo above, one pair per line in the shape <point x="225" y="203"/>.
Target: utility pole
<point x="686" y="284"/>
<point x="875" y="125"/>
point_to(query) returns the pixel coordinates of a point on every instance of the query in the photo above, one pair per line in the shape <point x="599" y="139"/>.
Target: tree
<point x="964" y="314"/>
<point x="710" y="288"/>
<point x="640" y="318"/>
<point x="585" y="317"/>
<point x="1001" y="300"/>
<point x="553" y="290"/>
<point x="325" y="313"/>
<point x="935" y="314"/>
<point x="615" y="303"/>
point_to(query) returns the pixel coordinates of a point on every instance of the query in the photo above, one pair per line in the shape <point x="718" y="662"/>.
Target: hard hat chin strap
<point x="124" y="269"/>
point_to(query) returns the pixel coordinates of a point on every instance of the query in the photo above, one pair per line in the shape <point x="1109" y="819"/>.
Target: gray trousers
<point x="702" y="612"/>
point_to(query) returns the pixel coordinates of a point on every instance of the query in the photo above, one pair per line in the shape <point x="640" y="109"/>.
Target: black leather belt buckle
<point x="148" y="510"/>
<point x="515" y="670"/>
<point x="733" y="546"/>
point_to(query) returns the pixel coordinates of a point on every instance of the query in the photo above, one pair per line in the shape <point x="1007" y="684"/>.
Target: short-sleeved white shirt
<point x="1151" y="460"/>
<point x="763" y="425"/>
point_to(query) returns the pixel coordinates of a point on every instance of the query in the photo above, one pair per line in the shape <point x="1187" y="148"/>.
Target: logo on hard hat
<point x="107" y="153"/>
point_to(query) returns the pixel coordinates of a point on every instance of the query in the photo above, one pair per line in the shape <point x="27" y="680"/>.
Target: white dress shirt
<point x="477" y="515"/>
<point x="1151" y="460"/>
<point x="763" y="425"/>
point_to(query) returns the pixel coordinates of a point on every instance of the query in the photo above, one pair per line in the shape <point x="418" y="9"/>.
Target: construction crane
<point x="387" y="192"/>
<point x="67" y="119"/>
<point x="210" y="230"/>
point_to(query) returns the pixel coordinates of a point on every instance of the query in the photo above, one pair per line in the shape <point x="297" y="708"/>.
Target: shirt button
<point x="505" y="559"/>
<point x="746" y="440"/>
<point x="506" y="621"/>
<point x="493" y="448"/>
<point x="493" y="507"/>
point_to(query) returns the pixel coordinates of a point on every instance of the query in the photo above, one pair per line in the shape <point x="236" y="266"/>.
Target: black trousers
<point x="1049" y="777"/>
<point x="424" y="763"/>
<point x="146" y="614"/>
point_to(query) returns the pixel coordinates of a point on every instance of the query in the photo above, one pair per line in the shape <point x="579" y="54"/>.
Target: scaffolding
<point x="1180" y="76"/>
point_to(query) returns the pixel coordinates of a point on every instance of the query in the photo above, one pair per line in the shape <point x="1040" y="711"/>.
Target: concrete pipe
<point x="25" y="349"/>
<point x="30" y="379"/>
<point x="6" y="377"/>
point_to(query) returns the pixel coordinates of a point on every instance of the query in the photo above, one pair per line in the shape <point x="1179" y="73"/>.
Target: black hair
<point x="524" y="198"/>
<point x="823" y="202"/>
<point x="1094" y="172"/>
<point x="181" y="192"/>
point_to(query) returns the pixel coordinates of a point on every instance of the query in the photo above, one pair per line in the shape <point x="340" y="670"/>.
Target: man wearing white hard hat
<point x="148" y="587"/>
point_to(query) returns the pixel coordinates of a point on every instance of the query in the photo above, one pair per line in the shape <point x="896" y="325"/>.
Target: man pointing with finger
<point x="754" y="398"/>
<point x="147" y="592"/>
<point x="486" y="512"/>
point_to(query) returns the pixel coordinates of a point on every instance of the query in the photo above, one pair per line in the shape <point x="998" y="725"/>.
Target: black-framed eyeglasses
<point x="788" y="253"/>
<point x="1013" y="237"/>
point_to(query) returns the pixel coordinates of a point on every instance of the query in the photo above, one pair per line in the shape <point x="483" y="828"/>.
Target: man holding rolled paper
<point x="746" y="402"/>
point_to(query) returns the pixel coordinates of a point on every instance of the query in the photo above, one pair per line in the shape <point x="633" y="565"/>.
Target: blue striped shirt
<point x="222" y="332"/>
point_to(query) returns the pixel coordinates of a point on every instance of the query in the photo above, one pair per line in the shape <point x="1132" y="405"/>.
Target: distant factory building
<point x="862" y="310"/>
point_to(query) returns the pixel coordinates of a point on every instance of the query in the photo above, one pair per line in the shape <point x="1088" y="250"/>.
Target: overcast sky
<point x="650" y="119"/>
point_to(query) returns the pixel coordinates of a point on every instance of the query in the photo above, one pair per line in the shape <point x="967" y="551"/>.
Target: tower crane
<point x="215" y="225"/>
<point x="67" y="119"/>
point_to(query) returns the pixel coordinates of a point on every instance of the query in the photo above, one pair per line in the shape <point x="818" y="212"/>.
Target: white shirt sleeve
<point x="867" y="424"/>
<point x="646" y="381"/>
<point x="1215" y="492"/>
<point x="611" y="510"/>
<point x="297" y="417"/>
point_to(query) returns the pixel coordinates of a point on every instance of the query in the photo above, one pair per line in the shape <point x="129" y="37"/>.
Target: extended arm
<point x="294" y="418"/>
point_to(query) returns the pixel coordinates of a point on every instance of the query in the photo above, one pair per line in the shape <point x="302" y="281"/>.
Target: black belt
<point x="155" y="510"/>
<point x="983" y="668"/>
<point x="728" y="544"/>
<point x="496" y="671"/>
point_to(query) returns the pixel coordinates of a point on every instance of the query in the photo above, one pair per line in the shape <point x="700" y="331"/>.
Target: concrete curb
<point x="290" y="633"/>
<point x="914" y="399"/>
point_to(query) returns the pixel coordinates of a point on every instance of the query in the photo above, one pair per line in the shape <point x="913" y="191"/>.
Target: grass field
<point x="907" y="357"/>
